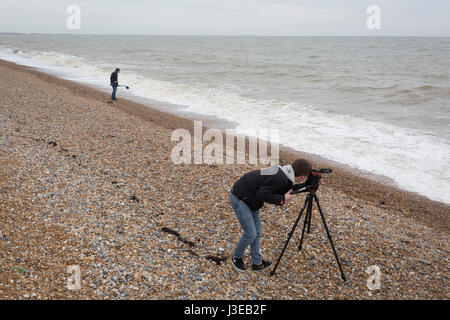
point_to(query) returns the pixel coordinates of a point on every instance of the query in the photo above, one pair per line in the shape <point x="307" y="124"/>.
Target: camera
<point x="312" y="182"/>
<point x="320" y="171"/>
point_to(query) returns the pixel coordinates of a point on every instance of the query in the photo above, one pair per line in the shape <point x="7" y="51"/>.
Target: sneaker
<point x="262" y="266"/>
<point x="238" y="264"/>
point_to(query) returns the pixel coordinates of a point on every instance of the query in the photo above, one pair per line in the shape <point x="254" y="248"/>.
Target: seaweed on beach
<point x="179" y="237"/>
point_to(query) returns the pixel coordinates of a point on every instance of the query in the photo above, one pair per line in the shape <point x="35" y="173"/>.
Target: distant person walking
<point x="114" y="83"/>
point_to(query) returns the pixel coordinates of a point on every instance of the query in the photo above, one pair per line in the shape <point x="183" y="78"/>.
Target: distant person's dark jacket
<point x="255" y="188"/>
<point x="114" y="78"/>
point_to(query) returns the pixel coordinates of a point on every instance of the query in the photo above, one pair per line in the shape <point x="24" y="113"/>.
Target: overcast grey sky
<point x="229" y="17"/>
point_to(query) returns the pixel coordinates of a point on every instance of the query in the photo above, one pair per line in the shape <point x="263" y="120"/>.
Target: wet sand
<point x="90" y="183"/>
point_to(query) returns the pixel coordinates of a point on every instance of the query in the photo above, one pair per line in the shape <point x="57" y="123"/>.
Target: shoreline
<point x="87" y="183"/>
<point x="370" y="187"/>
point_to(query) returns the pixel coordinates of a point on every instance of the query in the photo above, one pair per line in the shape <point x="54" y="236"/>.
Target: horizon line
<point x="219" y="35"/>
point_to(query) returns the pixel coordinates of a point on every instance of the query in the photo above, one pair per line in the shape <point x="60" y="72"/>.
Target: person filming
<point x="248" y="195"/>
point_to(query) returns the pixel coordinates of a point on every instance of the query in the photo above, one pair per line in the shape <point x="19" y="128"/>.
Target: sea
<point x="377" y="104"/>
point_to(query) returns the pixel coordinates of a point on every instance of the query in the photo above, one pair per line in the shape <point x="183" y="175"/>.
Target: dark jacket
<point x="114" y="78"/>
<point x="254" y="188"/>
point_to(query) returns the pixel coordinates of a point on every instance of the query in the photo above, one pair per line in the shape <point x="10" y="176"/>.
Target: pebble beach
<point x="89" y="183"/>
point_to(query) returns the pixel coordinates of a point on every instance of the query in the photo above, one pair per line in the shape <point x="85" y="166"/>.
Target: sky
<point x="229" y="17"/>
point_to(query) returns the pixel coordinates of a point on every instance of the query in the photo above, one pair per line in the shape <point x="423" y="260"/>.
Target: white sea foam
<point x="416" y="160"/>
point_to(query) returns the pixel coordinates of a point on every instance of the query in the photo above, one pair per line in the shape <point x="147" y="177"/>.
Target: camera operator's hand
<point x="288" y="196"/>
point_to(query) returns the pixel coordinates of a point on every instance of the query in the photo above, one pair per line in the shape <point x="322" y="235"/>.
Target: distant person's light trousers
<point x="113" y="96"/>
<point x="252" y="227"/>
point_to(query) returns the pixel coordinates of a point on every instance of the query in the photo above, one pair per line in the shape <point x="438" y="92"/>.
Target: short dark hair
<point x="301" y="167"/>
<point x="117" y="69"/>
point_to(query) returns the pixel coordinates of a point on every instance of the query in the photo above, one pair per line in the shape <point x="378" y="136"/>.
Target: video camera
<point x="320" y="171"/>
<point x="313" y="181"/>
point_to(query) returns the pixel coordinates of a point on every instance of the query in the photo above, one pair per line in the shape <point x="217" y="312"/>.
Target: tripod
<point x="310" y="198"/>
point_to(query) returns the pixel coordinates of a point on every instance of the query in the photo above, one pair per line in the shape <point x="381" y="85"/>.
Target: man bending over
<point x="248" y="195"/>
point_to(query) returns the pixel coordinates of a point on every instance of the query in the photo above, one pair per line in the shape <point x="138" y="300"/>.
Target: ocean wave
<point x="416" y="160"/>
<point x="365" y="88"/>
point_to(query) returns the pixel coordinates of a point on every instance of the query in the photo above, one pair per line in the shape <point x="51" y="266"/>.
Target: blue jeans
<point x="113" y="96"/>
<point x="251" y="224"/>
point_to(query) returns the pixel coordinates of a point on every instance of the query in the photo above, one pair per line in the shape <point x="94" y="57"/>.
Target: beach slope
<point x="91" y="184"/>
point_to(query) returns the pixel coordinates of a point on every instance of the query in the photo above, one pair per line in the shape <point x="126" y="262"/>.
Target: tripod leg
<point x="307" y="218"/>
<point x="329" y="238"/>
<point x="290" y="235"/>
